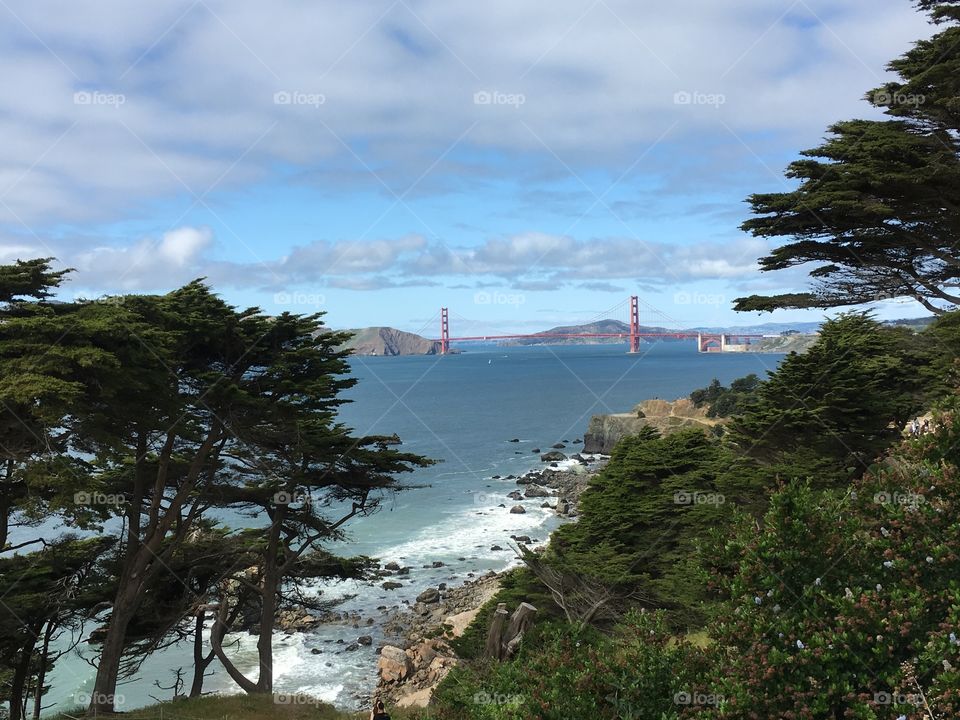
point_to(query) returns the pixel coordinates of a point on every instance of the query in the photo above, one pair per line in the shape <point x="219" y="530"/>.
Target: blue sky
<point x="523" y="163"/>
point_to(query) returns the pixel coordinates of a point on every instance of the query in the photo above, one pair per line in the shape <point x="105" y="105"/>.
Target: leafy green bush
<point x="639" y="671"/>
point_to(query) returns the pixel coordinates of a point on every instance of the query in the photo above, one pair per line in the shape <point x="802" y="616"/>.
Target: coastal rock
<point x="518" y="510"/>
<point x="365" y="640"/>
<point x="430" y="595"/>
<point x="535" y="491"/>
<point x="558" y="446"/>
<point x="295" y="620"/>
<point x="515" y="495"/>
<point x="394" y="665"/>
<point x="390" y="585"/>
<point x="605" y="431"/>
<point x="553" y="456"/>
<point x="392" y="566"/>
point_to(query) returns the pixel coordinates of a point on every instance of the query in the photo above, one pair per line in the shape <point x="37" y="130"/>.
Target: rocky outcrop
<point x="390" y="341"/>
<point x="605" y="431"/>
<point x="411" y="668"/>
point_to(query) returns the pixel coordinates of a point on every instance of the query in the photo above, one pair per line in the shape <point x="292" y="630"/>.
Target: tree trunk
<point x="521" y="619"/>
<point x="42" y="670"/>
<point x="268" y="606"/>
<point x="494" y="644"/>
<point x="111" y="654"/>
<point x="200" y="663"/>
<point x="21" y="672"/>
<point x="220" y="628"/>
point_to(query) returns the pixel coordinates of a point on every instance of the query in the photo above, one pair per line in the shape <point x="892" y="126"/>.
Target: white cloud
<point x="198" y="82"/>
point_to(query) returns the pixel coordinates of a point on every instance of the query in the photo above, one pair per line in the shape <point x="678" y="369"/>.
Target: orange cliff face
<point x="605" y="431"/>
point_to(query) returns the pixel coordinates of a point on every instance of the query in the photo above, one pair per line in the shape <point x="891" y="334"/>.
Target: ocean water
<point x="462" y="410"/>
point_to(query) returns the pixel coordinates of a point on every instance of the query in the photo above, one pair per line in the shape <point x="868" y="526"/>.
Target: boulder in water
<point x="430" y="595"/>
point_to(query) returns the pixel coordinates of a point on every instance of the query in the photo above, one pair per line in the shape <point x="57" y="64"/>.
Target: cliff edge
<point x="605" y="431"/>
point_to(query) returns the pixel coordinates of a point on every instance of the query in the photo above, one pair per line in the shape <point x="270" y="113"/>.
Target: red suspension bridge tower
<point x="634" y="324"/>
<point x="444" y="331"/>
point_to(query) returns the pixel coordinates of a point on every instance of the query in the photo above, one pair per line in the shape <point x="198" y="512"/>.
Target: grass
<point x="243" y="707"/>
<point x="234" y="707"/>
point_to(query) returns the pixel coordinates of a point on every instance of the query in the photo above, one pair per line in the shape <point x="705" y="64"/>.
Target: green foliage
<point x="639" y="515"/>
<point x="829" y="412"/>
<point x="639" y="671"/>
<point x="516" y="586"/>
<point x="835" y="592"/>
<point x="726" y="401"/>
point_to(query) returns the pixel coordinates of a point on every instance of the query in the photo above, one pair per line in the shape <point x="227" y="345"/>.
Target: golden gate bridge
<point x="706" y="341"/>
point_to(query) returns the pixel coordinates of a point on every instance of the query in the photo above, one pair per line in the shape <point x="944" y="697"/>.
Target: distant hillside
<point x="390" y="341"/>
<point x="800" y="343"/>
<point x="915" y="323"/>
<point x="599" y="327"/>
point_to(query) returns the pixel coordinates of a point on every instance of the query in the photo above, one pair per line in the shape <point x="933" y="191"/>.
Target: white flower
<point x="879" y="587"/>
<point x="884" y="532"/>
<point x="817" y="582"/>
<point x="848" y="593"/>
<point x="799" y="645"/>
<point x="757" y="600"/>
<point x="929" y="559"/>
<point x="953" y="639"/>
<point x="776" y="608"/>
<point x="887" y="564"/>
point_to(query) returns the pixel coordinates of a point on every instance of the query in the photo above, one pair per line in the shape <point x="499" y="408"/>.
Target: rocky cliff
<point x="390" y="341"/>
<point x="605" y="431"/>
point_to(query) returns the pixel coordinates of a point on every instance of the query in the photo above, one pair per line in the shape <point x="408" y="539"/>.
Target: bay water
<point x="462" y="410"/>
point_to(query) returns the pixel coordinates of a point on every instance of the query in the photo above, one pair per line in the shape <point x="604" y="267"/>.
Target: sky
<point x="522" y="163"/>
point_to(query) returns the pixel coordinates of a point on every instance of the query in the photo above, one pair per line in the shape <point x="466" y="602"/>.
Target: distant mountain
<point x="390" y="341"/>
<point x="763" y="328"/>
<point x="619" y="327"/>
<point x="600" y="327"/>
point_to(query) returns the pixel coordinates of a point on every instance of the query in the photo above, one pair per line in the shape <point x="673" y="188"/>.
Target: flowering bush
<point x="838" y="594"/>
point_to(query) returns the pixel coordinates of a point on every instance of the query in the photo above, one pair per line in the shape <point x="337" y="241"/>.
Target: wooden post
<point x="521" y="619"/>
<point x="494" y="646"/>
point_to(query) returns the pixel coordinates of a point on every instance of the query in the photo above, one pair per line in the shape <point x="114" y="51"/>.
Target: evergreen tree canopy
<point x="877" y="211"/>
<point x="831" y="411"/>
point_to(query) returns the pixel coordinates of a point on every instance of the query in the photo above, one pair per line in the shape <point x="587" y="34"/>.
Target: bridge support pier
<point x="634" y="325"/>
<point x="444" y="331"/>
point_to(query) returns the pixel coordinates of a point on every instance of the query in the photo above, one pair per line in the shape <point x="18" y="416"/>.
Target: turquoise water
<point x="462" y="410"/>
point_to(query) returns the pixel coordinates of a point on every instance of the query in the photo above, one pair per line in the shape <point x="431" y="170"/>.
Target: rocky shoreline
<point x="412" y="665"/>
